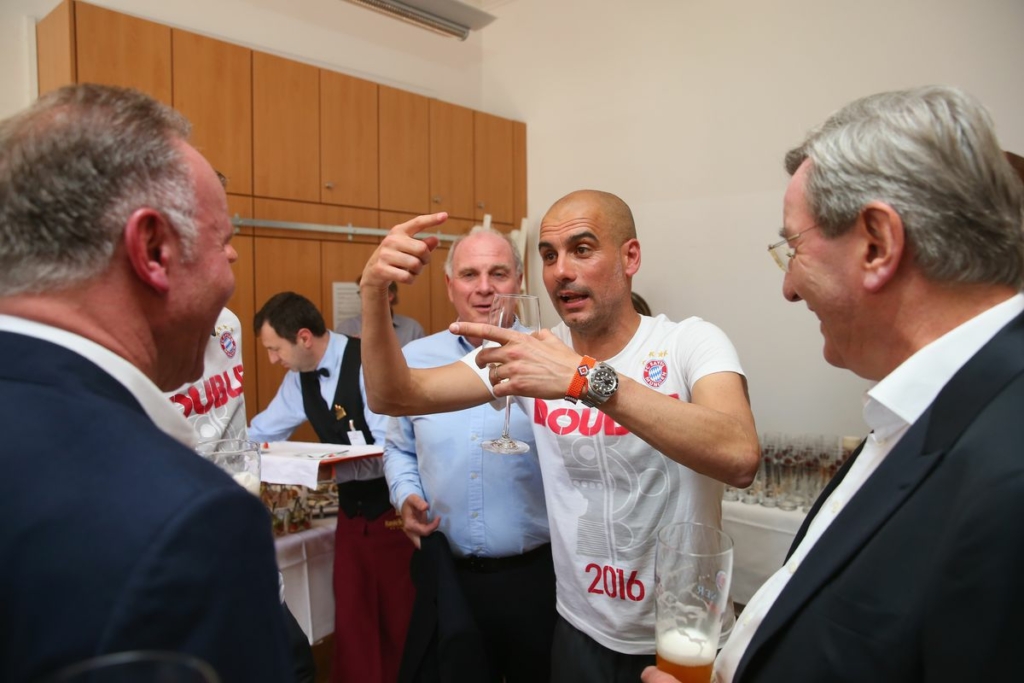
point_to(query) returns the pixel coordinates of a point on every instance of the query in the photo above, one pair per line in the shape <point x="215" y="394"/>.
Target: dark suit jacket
<point x="443" y="644"/>
<point x="921" y="577"/>
<point x="115" y="537"/>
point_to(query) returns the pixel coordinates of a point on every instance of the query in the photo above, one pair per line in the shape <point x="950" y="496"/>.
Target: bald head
<point x="610" y="210"/>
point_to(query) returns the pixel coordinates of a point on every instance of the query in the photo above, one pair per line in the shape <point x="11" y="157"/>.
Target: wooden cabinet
<point x="117" y="49"/>
<point x="519" y="206"/>
<point x="286" y="128"/>
<point x="348" y="140"/>
<point x="81" y="43"/>
<point x="404" y="151"/>
<point x="451" y="159"/>
<point x="492" y="154"/>
<point x="55" y="48"/>
<point x="218" y="102"/>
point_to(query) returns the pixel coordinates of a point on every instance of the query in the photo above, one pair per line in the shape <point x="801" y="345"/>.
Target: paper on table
<point x="294" y="462"/>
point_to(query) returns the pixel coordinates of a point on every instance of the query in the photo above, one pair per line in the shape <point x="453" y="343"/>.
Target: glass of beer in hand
<point x="692" y="574"/>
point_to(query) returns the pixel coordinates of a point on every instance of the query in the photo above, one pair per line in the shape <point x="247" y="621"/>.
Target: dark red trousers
<point x="373" y="597"/>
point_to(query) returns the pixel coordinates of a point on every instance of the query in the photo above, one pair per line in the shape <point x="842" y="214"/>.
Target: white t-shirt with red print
<point x="608" y="492"/>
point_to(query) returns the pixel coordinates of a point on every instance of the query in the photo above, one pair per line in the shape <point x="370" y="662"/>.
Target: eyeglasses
<point x="782" y="252"/>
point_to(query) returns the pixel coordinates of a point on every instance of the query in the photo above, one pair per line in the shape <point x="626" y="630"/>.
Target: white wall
<point x="685" y="109"/>
<point x="682" y="107"/>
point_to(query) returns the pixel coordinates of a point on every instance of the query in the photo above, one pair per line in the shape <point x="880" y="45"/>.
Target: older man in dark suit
<point x="115" y="260"/>
<point x="902" y="233"/>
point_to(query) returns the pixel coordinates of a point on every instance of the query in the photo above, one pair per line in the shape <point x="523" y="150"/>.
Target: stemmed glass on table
<point x="519" y="312"/>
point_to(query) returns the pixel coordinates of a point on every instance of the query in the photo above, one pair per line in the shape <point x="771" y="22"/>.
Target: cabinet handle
<point x="479" y="205"/>
<point x="329" y="186"/>
<point x="436" y="198"/>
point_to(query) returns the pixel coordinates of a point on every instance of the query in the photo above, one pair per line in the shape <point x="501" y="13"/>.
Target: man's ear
<point x="304" y="338"/>
<point x="148" y="241"/>
<point x="884" y="242"/>
<point x="631" y="256"/>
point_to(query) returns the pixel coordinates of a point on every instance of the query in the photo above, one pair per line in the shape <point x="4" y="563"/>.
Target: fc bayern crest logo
<point x="655" y="372"/>
<point x="227" y="342"/>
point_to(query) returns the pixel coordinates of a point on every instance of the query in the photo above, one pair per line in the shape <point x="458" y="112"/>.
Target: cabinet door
<point x="348" y="140"/>
<point x="451" y="159"/>
<point x="492" y="149"/>
<point x="519" y="205"/>
<point x="218" y="102"/>
<point x="55" y="48"/>
<point x="286" y="128"/>
<point x="116" y="49"/>
<point x="404" y="151"/>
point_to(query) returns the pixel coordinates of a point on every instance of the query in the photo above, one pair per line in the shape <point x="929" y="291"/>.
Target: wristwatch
<point x="602" y="382"/>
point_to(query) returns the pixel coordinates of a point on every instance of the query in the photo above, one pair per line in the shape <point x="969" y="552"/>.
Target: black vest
<point x="331" y="423"/>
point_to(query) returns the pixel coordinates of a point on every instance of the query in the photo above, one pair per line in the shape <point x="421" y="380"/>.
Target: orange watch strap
<point x="579" y="380"/>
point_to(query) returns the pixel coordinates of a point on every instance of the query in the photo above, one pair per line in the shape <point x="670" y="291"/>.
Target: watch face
<point x="603" y="381"/>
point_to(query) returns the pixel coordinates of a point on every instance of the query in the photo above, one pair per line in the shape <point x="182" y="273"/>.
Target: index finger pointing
<point x="421" y="223"/>
<point x="489" y="332"/>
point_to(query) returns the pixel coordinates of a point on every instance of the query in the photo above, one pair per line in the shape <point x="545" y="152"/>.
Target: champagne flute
<point x="519" y="312"/>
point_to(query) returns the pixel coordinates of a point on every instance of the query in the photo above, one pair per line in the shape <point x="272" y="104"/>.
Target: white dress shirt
<point x="890" y="407"/>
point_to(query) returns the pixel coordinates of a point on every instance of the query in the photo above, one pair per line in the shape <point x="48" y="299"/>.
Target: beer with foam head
<point x="685" y="654"/>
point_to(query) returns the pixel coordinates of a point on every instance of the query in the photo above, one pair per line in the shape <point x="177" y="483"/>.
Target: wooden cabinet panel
<point x="316" y="215"/>
<point x="282" y="265"/>
<point x="116" y="49"/>
<point x="348" y="140"/>
<point x="451" y="159"/>
<point x="286" y="128"/>
<point x="404" y="151"/>
<point x="519" y="204"/>
<point x="341" y="262"/>
<point x="55" y="48"/>
<point x="218" y="102"/>
<point x="492" y="167"/>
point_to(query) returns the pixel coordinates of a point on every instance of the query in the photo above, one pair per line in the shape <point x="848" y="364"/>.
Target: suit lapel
<point x="903" y="469"/>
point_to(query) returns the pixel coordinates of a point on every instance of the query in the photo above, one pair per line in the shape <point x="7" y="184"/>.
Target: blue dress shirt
<point x="490" y="505"/>
<point x="286" y="412"/>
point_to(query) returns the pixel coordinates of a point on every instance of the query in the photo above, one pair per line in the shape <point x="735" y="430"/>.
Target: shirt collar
<point x="154" y="402"/>
<point x="906" y="392"/>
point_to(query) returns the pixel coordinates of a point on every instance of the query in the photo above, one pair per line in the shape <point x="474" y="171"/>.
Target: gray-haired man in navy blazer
<point x="902" y="234"/>
<point x="115" y="261"/>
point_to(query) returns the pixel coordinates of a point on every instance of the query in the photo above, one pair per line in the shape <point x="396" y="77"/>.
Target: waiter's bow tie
<point x="324" y="372"/>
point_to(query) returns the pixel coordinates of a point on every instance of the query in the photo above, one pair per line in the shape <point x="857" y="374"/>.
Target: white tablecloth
<point x="761" y="538"/>
<point x="300" y="463"/>
<point x="306" y="560"/>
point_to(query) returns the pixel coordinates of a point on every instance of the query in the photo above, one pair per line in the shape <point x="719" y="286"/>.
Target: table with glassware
<point x="763" y="519"/>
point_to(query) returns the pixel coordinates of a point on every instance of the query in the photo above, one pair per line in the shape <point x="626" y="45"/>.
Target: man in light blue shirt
<point x="490" y="507"/>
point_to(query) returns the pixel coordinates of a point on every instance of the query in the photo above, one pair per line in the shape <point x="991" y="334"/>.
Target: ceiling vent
<point x="447" y="17"/>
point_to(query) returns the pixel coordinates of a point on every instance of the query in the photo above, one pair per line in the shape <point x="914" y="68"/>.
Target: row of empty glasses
<point x="794" y="469"/>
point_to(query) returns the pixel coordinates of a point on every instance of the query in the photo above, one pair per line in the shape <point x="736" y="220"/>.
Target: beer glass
<point x="692" y="575"/>
<point x="237" y="457"/>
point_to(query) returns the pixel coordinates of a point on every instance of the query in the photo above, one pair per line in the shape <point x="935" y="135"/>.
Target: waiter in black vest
<point x="372" y="589"/>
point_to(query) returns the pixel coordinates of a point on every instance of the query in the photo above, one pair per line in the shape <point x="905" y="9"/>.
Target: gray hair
<point x="932" y="154"/>
<point x="477" y="230"/>
<point x="73" y="169"/>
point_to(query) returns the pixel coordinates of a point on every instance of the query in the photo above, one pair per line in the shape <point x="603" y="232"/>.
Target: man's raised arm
<point x="391" y="387"/>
